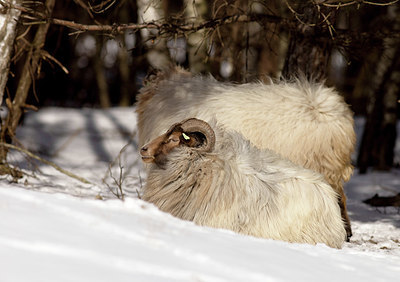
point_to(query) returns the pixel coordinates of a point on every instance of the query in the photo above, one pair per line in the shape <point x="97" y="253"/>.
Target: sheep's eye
<point x="171" y="139"/>
<point x="187" y="138"/>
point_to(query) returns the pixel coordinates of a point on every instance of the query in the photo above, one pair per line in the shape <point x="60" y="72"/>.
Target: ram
<point x="201" y="173"/>
<point x="307" y="123"/>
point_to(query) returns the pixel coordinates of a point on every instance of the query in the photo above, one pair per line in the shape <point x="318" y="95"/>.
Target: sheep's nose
<point x="147" y="157"/>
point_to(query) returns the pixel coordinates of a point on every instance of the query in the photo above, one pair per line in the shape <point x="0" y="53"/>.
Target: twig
<point x="174" y="26"/>
<point x="49" y="57"/>
<point x="297" y="15"/>
<point x="119" y="191"/>
<point x="141" y="185"/>
<point x="183" y="26"/>
<point x="87" y="9"/>
<point x="381" y="4"/>
<point x="102" y="7"/>
<point x="30" y="154"/>
<point x="339" y="4"/>
<point x="26" y="79"/>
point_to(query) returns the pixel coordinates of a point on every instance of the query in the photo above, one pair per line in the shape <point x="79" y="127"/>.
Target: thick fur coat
<point x="247" y="190"/>
<point x="308" y="123"/>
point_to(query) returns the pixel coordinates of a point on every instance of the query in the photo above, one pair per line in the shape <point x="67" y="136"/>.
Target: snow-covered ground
<point x="56" y="228"/>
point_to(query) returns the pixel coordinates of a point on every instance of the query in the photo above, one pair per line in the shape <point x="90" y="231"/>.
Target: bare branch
<point x="49" y="57"/>
<point x="102" y="7"/>
<point x="87" y="9"/>
<point x="181" y="26"/>
<point x="340" y="4"/>
<point x="174" y="25"/>
<point x="30" y="154"/>
<point x="297" y="15"/>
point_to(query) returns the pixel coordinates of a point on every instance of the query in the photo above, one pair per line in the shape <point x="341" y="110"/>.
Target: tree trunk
<point x="101" y="78"/>
<point x="157" y="54"/>
<point x="272" y="46"/>
<point x="17" y="106"/>
<point x="307" y="53"/>
<point x="230" y="43"/>
<point x="127" y="87"/>
<point x="379" y="136"/>
<point x="197" y="41"/>
<point x="8" y="26"/>
<point x="387" y="138"/>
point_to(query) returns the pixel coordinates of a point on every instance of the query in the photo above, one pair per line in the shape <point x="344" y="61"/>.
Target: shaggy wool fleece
<point x="307" y="123"/>
<point x="251" y="191"/>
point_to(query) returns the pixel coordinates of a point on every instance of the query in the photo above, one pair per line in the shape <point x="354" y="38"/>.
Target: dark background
<point x="353" y="46"/>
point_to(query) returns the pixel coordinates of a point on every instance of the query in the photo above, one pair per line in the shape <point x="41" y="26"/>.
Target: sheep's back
<point x="307" y="123"/>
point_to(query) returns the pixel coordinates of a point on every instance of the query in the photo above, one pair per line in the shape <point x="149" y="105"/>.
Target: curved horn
<point x="197" y="125"/>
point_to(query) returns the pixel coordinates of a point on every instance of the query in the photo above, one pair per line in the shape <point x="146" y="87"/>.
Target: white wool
<point x="248" y="190"/>
<point x="307" y="123"/>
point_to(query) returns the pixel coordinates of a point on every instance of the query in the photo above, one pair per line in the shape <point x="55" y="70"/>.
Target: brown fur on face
<point x="157" y="150"/>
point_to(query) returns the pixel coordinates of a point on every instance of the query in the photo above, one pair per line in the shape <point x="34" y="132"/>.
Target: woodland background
<point x="79" y="53"/>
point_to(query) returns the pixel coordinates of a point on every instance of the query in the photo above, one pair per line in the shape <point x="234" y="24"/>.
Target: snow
<point x="56" y="228"/>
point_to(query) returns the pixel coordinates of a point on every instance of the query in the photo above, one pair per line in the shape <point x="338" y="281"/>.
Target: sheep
<point x="216" y="178"/>
<point x="307" y="123"/>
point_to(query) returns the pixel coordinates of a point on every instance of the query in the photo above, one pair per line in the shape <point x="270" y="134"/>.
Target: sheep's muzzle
<point x="146" y="157"/>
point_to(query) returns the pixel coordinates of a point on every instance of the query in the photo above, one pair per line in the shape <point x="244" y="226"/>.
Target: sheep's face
<point x="157" y="150"/>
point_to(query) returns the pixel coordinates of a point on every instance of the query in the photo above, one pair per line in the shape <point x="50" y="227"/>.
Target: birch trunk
<point x="157" y="54"/>
<point x="16" y="107"/>
<point x="8" y="26"/>
<point x="197" y="41"/>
